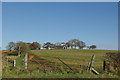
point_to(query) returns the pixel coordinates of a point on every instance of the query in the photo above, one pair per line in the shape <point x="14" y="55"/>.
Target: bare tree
<point x="11" y="46"/>
<point x="74" y="43"/>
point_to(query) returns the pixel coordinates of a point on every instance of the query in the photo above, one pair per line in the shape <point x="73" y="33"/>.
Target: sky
<point x="92" y="22"/>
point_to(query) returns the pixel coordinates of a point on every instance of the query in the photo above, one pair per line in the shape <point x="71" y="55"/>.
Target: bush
<point x="113" y="62"/>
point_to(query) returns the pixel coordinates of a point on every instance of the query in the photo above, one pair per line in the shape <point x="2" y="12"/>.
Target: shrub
<point x="113" y="62"/>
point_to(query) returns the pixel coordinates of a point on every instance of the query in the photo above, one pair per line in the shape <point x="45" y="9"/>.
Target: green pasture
<point x="83" y="55"/>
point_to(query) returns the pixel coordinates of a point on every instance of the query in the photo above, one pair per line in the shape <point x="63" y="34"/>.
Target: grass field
<point x="83" y="55"/>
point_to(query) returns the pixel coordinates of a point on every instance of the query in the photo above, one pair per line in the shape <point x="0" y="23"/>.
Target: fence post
<point x="91" y="62"/>
<point x="14" y="63"/>
<point x="94" y="71"/>
<point x="26" y="61"/>
<point x="104" y="65"/>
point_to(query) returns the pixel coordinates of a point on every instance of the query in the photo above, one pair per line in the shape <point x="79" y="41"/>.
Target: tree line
<point x="71" y="44"/>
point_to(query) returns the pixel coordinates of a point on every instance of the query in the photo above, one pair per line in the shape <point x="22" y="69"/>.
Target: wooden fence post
<point x="91" y="62"/>
<point x="90" y="65"/>
<point x="104" y="65"/>
<point x="26" y="61"/>
<point x="14" y="63"/>
<point x="94" y="71"/>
